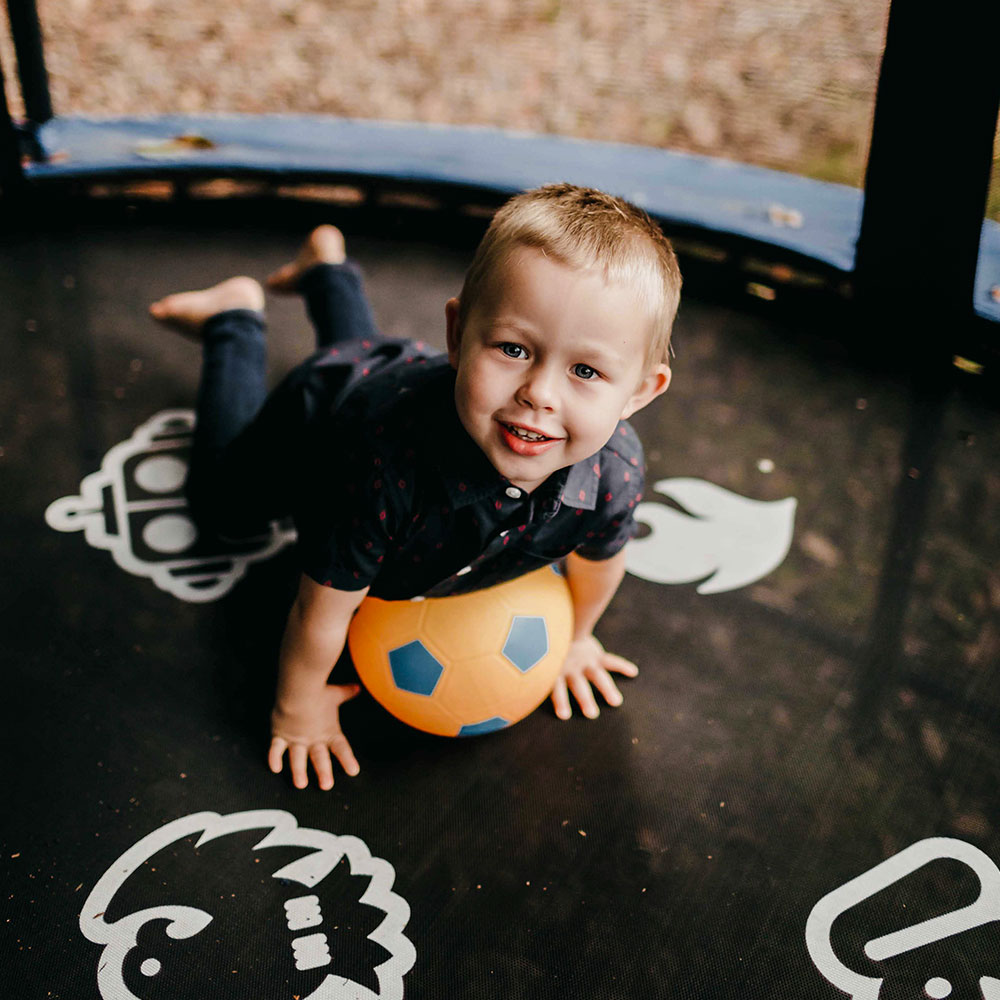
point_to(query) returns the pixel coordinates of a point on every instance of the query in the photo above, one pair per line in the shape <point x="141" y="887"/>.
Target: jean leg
<point x="337" y="305"/>
<point x="232" y="390"/>
<point x="233" y="383"/>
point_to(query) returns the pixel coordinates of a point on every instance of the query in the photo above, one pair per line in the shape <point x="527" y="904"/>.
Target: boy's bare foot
<point x="188" y="311"/>
<point x="324" y="245"/>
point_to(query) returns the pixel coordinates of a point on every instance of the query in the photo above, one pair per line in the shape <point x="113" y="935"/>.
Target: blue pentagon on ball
<point x="415" y="668"/>
<point x="488" y="726"/>
<point x="527" y="642"/>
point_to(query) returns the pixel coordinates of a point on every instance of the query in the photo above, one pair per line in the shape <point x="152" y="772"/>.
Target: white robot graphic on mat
<point x="282" y="936"/>
<point x="134" y="507"/>
<point x="984" y="910"/>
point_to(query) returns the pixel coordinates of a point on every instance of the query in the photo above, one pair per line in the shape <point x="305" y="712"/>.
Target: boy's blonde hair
<point x="581" y="227"/>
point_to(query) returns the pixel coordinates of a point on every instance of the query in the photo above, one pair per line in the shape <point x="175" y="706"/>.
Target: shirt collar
<point x="469" y="477"/>
<point x="582" y="480"/>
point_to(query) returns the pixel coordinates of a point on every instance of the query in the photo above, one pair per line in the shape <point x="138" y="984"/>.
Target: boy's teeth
<point x="527" y="435"/>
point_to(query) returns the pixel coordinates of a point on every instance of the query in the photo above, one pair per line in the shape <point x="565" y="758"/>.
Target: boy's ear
<point x="654" y="384"/>
<point x="452" y="332"/>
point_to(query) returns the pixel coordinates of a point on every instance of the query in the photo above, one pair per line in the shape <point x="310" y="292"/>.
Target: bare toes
<point x="324" y="245"/>
<point x="284" y="279"/>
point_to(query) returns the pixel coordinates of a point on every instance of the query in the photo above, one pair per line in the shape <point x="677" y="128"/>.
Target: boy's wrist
<point x="298" y="697"/>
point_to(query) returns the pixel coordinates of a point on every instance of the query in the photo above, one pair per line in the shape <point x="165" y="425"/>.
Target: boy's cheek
<point x="479" y="381"/>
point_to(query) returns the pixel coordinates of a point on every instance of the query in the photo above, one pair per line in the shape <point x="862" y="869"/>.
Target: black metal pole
<point x="925" y="197"/>
<point x="27" y="34"/>
<point x="929" y="164"/>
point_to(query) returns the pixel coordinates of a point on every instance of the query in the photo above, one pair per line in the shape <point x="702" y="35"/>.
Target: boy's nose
<point x="538" y="390"/>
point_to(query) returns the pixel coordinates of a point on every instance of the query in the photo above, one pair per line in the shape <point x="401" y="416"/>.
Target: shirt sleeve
<point x="619" y="494"/>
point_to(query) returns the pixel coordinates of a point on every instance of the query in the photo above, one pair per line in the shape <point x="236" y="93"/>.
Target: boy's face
<point x="546" y="371"/>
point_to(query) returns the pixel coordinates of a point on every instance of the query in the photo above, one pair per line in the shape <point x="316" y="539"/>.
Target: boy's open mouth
<point x="525" y="435"/>
<point x="526" y="441"/>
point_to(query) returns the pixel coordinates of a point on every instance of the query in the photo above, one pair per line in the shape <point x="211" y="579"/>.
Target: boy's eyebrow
<point x="513" y="324"/>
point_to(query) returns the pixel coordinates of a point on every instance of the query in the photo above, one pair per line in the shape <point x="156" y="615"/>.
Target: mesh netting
<point x="781" y="83"/>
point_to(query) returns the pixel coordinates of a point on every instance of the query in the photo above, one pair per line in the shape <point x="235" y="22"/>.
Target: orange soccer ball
<point x="469" y="664"/>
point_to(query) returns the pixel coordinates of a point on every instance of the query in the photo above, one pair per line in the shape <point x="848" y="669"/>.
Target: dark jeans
<point x="245" y="442"/>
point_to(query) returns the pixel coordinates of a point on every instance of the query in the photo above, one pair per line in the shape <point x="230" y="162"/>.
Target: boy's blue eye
<point x="584" y="372"/>
<point x="513" y="350"/>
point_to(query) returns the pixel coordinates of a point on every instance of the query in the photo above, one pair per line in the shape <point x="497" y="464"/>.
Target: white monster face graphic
<point x="931" y="947"/>
<point x="248" y="905"/>
<point x="135" y="508"/>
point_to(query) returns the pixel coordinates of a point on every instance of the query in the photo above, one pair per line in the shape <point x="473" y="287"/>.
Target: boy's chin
<point x="527" y="475"/>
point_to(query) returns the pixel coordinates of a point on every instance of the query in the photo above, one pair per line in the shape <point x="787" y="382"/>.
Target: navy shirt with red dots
<point x="397" y="497"/>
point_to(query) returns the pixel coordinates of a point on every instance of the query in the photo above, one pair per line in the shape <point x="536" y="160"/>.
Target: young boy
<point x="414" y="474"/>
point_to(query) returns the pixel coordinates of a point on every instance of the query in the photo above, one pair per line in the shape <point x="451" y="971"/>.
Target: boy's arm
<point x="592" y="585"/>
<point x="305" y="719"/>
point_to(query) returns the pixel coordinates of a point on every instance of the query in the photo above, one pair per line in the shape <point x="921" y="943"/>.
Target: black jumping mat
<point x="798" y="797"/>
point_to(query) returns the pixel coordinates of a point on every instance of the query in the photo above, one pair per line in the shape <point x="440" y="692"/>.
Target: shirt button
<point x="513" y="492"/>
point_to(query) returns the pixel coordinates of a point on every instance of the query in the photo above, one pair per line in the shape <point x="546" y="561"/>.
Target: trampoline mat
<point x="771" y="812"/>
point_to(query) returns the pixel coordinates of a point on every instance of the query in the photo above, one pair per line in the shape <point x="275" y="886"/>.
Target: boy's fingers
<point x="560" y="700"/>
<point x="297" y="763"/>
<point x="619" y="665"/>
<point x="604" y="683"/>
<point x="320" y="757"/>
<point x="584" y="695"/>
<point x="275" y="753"/>
<point x="342" y="751"/>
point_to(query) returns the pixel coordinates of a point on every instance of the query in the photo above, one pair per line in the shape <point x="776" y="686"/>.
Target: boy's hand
<point x="312" y="733"/>
<point x="588" y="663"/>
